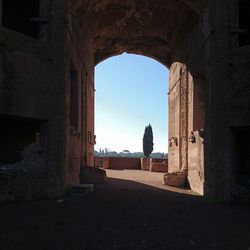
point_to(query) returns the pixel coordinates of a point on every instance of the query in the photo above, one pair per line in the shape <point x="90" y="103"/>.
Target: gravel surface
<point x="130" y="213"/>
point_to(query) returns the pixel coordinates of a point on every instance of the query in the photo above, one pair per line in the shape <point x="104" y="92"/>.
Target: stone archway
<point x="101" y="29"/>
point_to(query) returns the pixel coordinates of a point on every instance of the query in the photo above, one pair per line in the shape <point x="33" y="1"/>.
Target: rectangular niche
<point x="17" y="133"/>
<point x="241" y="156"/>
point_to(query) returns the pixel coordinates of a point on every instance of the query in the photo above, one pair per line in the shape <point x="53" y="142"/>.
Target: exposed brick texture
<point x="118" y="163"/>
<point x="19" y="187"/>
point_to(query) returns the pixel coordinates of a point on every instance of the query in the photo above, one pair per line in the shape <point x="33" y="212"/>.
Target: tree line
<point x="107" y="153"/>
<point x="148" y="147"/>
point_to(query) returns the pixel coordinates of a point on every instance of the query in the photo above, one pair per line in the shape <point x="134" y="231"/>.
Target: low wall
<point x="124" y="163"/>
<point x="156" y="160"/>
<point x="118" y="163"/>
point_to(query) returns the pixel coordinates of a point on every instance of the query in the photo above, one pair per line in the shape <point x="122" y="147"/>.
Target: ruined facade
<point x="48" y="51"/>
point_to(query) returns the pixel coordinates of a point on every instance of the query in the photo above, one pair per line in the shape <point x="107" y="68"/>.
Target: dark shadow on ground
<point x="133" y="184"/>
<point x="124" y="215"/>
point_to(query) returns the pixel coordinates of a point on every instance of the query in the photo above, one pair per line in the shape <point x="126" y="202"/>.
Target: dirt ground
<point x="135" y="212"/>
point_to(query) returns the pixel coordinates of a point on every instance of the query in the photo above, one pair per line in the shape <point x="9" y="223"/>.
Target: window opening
<point x="242" y="170"/>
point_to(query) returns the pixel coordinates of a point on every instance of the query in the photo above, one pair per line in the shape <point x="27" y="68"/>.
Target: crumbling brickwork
<point x="22" y="186"/>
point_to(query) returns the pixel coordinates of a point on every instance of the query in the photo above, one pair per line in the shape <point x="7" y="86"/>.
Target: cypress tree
<point x="148" y="144"/>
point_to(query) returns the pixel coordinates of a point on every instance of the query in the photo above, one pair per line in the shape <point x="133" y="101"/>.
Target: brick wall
<point x="118" y="163"/>
<point x="22" y="187"/>
<point x="124" y="163"/>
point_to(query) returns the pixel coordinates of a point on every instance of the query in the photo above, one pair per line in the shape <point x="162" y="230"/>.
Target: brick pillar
<point x="178" y="117"/>
<point x="217" y="171"/>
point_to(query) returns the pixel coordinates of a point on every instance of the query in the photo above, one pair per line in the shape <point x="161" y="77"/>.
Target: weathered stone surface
<point x="159" y="167"/>
<point x="176" y="179"/>
<point x="134" y="26"/>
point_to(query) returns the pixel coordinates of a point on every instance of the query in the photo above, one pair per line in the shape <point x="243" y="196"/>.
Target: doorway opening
<point x="242" y="157"/>
<point x="131" y="93"/>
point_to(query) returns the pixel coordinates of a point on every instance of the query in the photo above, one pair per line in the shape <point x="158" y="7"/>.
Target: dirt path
<point x="125" y="214"/>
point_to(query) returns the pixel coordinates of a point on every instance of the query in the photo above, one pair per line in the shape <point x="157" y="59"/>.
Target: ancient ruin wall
<point x="80" y="138"/>
<point x="174" y="116"/>
<point x="185" y="141"/>
<point x="32" y="86"/>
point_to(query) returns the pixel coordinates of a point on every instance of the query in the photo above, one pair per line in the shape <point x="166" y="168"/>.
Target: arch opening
<point x="113" y="28"/>
<point x="131" y="92"/>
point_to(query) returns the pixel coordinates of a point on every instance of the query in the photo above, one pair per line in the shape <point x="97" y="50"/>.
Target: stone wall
<point x="32" y="86"/>
<point x="159" y="167"/>
<point x="119" y="163"/>
<point x="227" y="65"/>
<point x="186" y="117"/>
<point x="79" y="137"/>
<point x="124" y="163"/>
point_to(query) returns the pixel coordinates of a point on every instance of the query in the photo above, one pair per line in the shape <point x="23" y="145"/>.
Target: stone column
<point x="56" y="133"/>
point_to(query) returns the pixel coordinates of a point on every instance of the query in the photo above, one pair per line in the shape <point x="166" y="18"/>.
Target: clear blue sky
<point x="131" y="92"/>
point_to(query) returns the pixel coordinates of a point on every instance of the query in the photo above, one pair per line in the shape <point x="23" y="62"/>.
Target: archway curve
<point x="134" y="53"/>
<point x="150" y="28"/>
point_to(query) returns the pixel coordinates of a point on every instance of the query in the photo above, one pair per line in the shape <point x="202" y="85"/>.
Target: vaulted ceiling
<point x="148" y="27"/>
